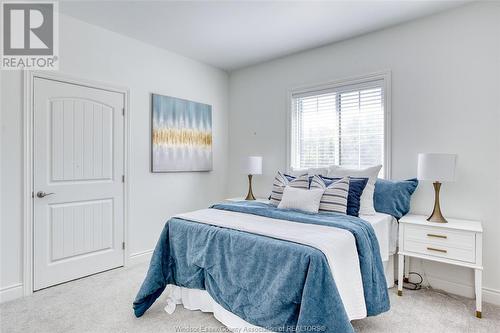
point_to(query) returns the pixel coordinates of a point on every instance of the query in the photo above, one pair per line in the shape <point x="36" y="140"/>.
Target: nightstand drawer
<point x="464" y="240"/>
<point x="442" y="251"/>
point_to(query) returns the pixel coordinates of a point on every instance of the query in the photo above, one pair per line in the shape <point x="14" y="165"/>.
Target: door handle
<point x="42" y="194"/>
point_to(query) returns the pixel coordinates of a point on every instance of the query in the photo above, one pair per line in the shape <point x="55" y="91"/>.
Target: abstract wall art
<point x="181" y="135"/>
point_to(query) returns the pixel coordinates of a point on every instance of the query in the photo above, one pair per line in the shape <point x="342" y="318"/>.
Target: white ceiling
<point x="236" y="34"/>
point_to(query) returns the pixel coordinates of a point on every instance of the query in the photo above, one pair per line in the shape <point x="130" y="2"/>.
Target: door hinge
<point x="32" y="194"/>
<point x="123" y="178"/>
<point x="123" y="111"/>
<point x="123" y="245"/>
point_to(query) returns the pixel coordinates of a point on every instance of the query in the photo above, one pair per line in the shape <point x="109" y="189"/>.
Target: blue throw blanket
<point x="271" y="283"/>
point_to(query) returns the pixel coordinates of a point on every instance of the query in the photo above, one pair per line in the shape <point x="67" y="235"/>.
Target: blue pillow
<point x="356" y="187"/>
<point x="393" y="197"/>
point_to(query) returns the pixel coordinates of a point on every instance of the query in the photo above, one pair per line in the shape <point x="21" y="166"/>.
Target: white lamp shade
<point x="253" y="165"/>
<point x="437" y="167"/>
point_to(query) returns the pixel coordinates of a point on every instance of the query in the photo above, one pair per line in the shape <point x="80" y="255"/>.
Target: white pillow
<point x="301" y="199"/>
<point x="317" y="171"/>
<point x="310" y="172"/>
<point x="366" y="201"/>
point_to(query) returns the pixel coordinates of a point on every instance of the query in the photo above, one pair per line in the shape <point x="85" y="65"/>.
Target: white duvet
<point x="338" y="246"/>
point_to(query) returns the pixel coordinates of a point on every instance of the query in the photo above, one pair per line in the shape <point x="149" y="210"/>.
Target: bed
<point x="256" y="266"/>
<point x="386" y="230"/>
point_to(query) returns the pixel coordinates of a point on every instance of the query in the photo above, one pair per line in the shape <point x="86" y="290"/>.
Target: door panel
<point x="80" y="228"/>
<point x="78" y="162"/>
<point x="82" y="140"/>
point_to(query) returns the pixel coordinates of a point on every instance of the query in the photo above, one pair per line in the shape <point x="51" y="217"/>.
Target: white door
<point x="78" y="189"/>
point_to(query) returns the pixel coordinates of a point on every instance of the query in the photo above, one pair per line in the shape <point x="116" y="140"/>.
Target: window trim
<point x="384" y="76"/>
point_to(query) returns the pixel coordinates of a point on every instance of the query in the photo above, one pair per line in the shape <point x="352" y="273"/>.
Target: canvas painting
<point x="182" y="135"/>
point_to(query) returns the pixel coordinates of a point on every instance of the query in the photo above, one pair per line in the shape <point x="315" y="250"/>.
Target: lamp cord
<point x="412" y="285"/>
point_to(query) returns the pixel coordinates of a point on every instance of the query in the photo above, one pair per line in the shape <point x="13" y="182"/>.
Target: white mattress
<point x="386" y="230"/>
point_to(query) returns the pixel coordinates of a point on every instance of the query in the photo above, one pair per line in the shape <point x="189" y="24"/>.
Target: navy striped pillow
<point x="356" y="187"/>
<point x="281" y="181"/>
<point x="334" y="198"/>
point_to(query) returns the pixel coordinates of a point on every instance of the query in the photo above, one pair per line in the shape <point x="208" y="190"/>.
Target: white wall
<point x="92" y="53"/>
<point x="445" y="98"/>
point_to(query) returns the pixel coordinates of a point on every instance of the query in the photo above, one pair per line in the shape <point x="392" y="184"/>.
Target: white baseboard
<point x="11" y="292"/>
<point x="489" y="295"/>
<point x="140" y="257"/>
<point x="14" y="291"/>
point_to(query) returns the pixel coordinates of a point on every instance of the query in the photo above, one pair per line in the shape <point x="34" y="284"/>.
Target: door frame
<point x="28" y="160"/>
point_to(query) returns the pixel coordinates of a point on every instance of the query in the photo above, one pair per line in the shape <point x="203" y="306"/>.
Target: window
<point x="342" y="124"/>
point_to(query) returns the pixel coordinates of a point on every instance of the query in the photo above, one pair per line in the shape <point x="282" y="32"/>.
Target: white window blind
<point x="342" y="125"/>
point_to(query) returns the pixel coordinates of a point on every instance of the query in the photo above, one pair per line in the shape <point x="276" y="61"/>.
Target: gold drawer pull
<point x="437" y="236"/>
<point x="437" y="250"/>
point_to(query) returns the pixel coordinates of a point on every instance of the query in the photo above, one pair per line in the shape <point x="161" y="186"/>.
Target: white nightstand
<point x="458" y="242"/>
<point x="264" y="200"/>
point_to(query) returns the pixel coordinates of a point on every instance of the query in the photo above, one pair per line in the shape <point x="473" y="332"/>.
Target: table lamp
<point x="437" y="168"/>
<point x="252" y="166"/>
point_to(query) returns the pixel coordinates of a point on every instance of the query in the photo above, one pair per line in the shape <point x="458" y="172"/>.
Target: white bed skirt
<point x="389" y="271"/>
<point x="195" y="299"/>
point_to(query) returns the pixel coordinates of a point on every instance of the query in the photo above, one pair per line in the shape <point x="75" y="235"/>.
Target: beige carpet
<point x="103" y="303"/>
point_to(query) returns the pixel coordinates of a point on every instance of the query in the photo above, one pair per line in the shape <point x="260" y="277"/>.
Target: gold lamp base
<point x="250" y="195"/>
<point x="436" y="215"/>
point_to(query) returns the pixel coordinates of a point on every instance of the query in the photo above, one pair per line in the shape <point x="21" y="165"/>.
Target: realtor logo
<point x="30" y="32"/>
